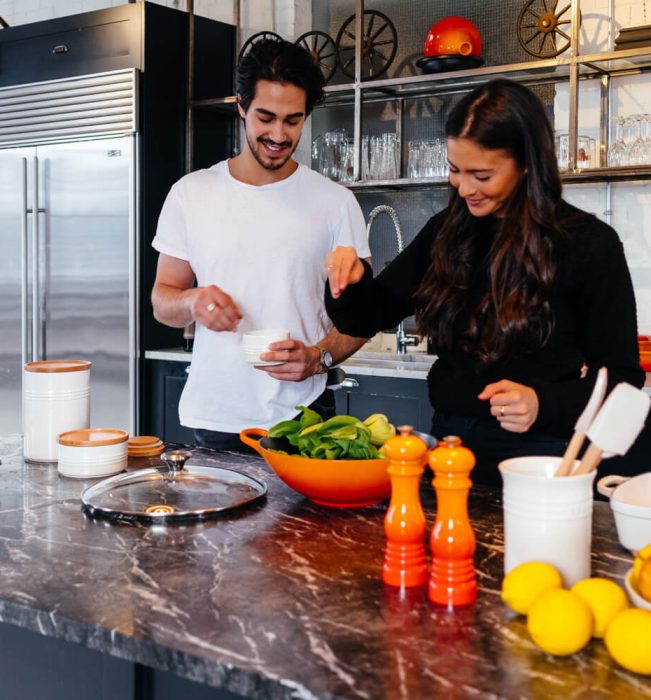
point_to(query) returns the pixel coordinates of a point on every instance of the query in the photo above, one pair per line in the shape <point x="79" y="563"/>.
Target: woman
<point x="523" y="295"/>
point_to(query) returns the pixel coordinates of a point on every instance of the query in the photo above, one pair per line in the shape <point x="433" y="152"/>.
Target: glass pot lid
<point x="175" y="492"/>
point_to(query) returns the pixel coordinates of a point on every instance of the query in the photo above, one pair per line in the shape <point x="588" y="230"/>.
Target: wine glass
<point x="617" y="150"/>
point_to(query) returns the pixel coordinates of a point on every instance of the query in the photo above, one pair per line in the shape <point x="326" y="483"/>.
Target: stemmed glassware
<point x="632" y="144"/>
<point x="617" y="150"/>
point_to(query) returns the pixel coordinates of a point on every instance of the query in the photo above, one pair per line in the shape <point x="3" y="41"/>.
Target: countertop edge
<point x="222" y="675"/>
<point x="352" y="366"/>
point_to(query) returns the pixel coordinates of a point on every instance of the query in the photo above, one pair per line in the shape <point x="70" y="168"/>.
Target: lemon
<point x="642" y="572"/>
<point x="560" y="622"/>
<point x="640" y="558"/>
<point x="628" y="639"/>
<point x="604" y="597"/>
<point x="526" y="582"/>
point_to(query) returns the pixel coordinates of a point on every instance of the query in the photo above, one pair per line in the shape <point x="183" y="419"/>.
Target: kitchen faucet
<point x="402" y="339"/>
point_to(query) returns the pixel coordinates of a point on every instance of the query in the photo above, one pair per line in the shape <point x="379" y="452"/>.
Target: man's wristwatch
<point x="326" y="358"/>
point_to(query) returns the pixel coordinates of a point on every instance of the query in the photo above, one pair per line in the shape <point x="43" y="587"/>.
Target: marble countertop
<point x="282" y="600"/>
<point x="409" y="365"/>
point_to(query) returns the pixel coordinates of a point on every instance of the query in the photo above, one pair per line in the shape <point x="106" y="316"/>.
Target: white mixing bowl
<point x="630" y="500"/>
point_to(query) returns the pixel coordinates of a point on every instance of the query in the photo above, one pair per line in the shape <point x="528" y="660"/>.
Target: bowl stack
<point x="254" y="343"/>
<point x="92" y="452"/>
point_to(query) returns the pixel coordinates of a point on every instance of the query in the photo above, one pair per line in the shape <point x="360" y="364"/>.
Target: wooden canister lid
<point x="57" y="366"/>
<point x="93" y="437"/>
<point x="145" y="446"/>
<point x="144" y="441"/>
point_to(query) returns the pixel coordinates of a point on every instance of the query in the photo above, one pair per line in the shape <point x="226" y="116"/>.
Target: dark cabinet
<point x="403" y="401"/>
<point x="82" y="44"/>
<point x="165" y="380"/>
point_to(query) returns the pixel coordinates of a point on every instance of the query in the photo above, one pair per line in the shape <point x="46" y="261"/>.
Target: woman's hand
<point x="343" y="267"/>
<point x="514" y="405"/>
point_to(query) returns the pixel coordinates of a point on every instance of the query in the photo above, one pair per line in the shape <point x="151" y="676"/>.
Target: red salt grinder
<point x="405" y="564"/>
<point x="452" y="578"/>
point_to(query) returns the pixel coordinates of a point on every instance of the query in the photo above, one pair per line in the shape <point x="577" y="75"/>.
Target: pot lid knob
<point x="175" y="460"/>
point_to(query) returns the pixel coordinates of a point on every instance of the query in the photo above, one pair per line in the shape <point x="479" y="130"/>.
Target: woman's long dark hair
<point x="514" y="313"/>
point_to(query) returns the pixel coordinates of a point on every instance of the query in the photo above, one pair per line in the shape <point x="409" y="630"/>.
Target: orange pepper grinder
<point x="452" y="577"/>
<point x="405" y="564"/>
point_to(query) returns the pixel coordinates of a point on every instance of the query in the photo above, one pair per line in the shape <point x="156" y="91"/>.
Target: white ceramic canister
<point x="91" y="453"/>
<point x="547" y="518"/>
<point x="56" y="398"/>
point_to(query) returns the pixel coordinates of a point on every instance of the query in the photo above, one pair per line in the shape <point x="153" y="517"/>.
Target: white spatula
<point x="583" y="423"/>
<point x="616" y="426"/>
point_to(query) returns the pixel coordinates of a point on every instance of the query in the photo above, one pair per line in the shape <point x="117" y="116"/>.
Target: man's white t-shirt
<point x="265" y="246"/>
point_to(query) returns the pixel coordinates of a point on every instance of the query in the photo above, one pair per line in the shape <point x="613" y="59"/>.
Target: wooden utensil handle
<point x="590" y="460"/>
<point x="571" y="452"/>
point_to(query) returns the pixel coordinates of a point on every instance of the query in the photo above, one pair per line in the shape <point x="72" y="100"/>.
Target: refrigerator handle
<point x="35" y="267"/>
<point x="23" y="262"/>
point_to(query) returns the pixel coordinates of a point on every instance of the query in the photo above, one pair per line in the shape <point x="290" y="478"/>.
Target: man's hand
<point x="214" y="309"/>
<point x="514" y="405"/>
<point x="177" y="302"/>
<point x="343" y="267"/>
<point x="299" y="361"/>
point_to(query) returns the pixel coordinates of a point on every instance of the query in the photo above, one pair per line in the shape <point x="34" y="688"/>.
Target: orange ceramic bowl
<point x="336" y="483"/>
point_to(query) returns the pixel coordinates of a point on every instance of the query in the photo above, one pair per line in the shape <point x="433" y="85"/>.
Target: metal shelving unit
<point x="572" y="68"/>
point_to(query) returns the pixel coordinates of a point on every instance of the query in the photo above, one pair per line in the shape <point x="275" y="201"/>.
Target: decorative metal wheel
<point x="322" y="49"/>
<point x="256" y="37"/>
<point x="540" y="28"/>
<point x="379" y="45"/>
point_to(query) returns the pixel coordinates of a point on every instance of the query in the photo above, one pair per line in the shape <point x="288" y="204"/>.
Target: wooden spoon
<point x="583" y="423"/>
<point x="614" y="429"/>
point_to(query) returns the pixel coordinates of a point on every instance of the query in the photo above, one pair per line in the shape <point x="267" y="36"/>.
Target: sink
<point x="391" y="360"/>
<point x="385" y="356"/>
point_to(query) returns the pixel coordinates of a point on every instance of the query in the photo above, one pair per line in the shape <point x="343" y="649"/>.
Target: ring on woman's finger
<point x="501" y="411"/>
<point x="211" y="307"/>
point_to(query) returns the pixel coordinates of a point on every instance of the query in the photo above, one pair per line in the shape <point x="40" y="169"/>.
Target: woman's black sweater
<point x="594" y="314"/>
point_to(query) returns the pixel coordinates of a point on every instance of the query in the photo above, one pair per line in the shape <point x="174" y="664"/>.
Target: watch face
<point x="326" y="359"/>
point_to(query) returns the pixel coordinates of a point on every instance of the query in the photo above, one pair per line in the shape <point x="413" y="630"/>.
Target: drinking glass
<point x="365" y="158"/>
<point x="331" y="155"/>
<point x="585" y="152"/>
<point x="637" y="150"/>
<point x="617" y="150"/>
<point x="630" y="136"/>
<point x="347" y="157"/>
<point x="562" y="150"/>
<point x="646" y="135"/>
<point x="414" y="159"/>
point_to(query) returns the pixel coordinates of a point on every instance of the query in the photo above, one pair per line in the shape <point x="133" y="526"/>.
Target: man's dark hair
<point x="281" y="62"/>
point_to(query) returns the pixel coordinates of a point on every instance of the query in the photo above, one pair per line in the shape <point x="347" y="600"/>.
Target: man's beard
<point x="274" y="165"/>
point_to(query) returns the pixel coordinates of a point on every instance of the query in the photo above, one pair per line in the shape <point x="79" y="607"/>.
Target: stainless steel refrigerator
<point x="68" y="238"/>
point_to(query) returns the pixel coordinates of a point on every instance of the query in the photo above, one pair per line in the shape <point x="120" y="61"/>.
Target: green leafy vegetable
<point x="340" y="437"/>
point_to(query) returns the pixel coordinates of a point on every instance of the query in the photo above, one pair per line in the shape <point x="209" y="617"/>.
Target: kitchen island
<point x="279" y="600"/>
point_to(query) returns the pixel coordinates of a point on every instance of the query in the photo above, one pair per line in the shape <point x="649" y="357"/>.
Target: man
<point x="254" y="232"/>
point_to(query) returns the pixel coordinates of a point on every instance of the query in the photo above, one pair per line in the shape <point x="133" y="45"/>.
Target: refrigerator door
<point x="86" y="268"/>
<point x="16" y="179"/>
